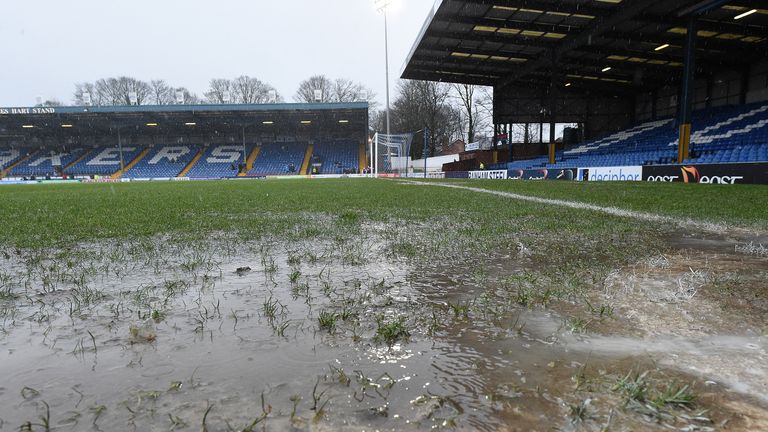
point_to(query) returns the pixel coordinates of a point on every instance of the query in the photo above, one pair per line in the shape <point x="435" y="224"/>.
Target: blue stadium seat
<point x="163" y="161"/>
<point x="720" y="135"/>
<point x="336" y="157"/>
<point x="11" y="155"/>
<point x="47" y="162"/>
<point x="220" y="161"/>
<point x="275" y="158"/>
<point x="104" y="160"/>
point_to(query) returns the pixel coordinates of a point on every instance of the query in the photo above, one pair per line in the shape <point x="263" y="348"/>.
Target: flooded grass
<point x="312" y="306"/>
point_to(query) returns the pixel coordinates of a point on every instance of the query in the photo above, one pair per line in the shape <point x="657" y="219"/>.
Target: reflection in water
<point x="247" y="345"/>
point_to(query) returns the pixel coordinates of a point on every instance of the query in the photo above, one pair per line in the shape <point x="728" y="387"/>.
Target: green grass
<point x="391" y="332"/>
<point x="732" y="204"/>
<point x="327" y="320"/>
<point x="55" y="215"/>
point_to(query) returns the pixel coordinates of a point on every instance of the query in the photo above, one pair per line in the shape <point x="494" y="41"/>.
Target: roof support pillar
<point x="551" y="110"/>
<point x="541" y="133"/>
<point x="245" y="153"/>
<point x="686" y="94"/>
<point x="744" y="88"/>
<point x="710" y="91"/>
<point x="120" y="148"/>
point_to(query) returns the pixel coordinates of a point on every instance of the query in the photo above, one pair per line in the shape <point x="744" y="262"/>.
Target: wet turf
<point x="49" y="214"/>
<point x="367" y="304"/>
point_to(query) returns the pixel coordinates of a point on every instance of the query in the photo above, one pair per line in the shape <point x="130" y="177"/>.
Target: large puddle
<point x="344" y="335"/>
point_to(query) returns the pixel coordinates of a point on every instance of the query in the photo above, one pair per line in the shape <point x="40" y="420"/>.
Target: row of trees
<point x="119" y="91"/>
<point x="241" y="90"/>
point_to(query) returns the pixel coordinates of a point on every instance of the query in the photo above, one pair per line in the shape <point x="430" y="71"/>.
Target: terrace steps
<point x="131" y="164"/>
<point x="251" y="159"/>
<point x="307" y="157"/>
<point x="363" y="161"/>
<point x="5" y="172"/>
<point x="193" y="162"/>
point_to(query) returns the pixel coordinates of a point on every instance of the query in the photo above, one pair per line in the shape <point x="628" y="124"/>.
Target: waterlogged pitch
<point x="383" y="305"/>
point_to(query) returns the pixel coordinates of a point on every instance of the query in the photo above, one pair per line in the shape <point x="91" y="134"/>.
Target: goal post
<point x="392" y="154"/>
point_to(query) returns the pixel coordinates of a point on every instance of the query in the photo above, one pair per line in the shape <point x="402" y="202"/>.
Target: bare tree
<point x="421" y="104"/>
<point x="89" y="88"/>
<point x="187" y="97"/>
<point x="306" y="91"/>
<point x="118" y="91"/>
<point x="338" y="90"/>
<point x="50" y="103"/>
<point x="162" y="93"/>
<point x="243" y="89"/>
<point x="466" y="95"/>
<point x="250" y="90"/>
<point x="114" y="91"/>
<point x="345" y="90"/>
<point x="476" y="107"/>
<point x="217" y="89"/>
<point x="524" y="133"/>
<point x="484" y="113"/>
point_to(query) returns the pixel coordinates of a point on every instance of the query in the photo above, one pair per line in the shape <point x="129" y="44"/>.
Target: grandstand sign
<point x="745" y="173"/>
<point x="21" y="111"/>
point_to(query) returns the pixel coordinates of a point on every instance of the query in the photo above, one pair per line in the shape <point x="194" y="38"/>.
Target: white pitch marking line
<point x="614" y="211"/>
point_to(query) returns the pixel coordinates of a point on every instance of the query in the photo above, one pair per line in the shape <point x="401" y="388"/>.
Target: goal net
<point x="392" y="154"/>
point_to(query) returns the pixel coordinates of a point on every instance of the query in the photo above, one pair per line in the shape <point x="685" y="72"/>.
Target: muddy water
<point x="178" y="338"/>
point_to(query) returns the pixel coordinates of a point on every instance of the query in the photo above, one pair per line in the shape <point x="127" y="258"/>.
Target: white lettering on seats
<point x="54" y="158"/>
<point x="6" y="156"/>
<point x="171" y="152"/>
<point x="224" y="154"/>
<point x="109" y="156"/>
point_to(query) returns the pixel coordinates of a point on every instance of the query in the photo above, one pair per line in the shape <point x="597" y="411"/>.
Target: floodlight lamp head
<point x="382" y="5"/>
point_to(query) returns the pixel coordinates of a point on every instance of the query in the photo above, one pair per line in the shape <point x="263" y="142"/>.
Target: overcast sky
<point x="48" y="45"/>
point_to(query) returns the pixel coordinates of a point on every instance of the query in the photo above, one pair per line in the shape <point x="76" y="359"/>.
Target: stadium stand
<point x="336" y="157"/>
<point x="219" y="161"/>
<point x="721" y="135"/>
<point x="212" y="133"/>
<point x="163" y="161"/>
<point x="46" y="162"/>
<point x="103" y="161"/>
<point x="590" y="69"/>
<point x="10" y="156"/>
<point x="275" y="158"/>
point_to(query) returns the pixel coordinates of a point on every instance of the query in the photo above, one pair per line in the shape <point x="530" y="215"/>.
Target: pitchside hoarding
<point x="543" y="174"/>
<point x="745" y="173"/>
<point x="457" y="174"/>
<point x="490" y="174"/>
<point x="621" y="173"/>
<point x="529" y="174"/>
